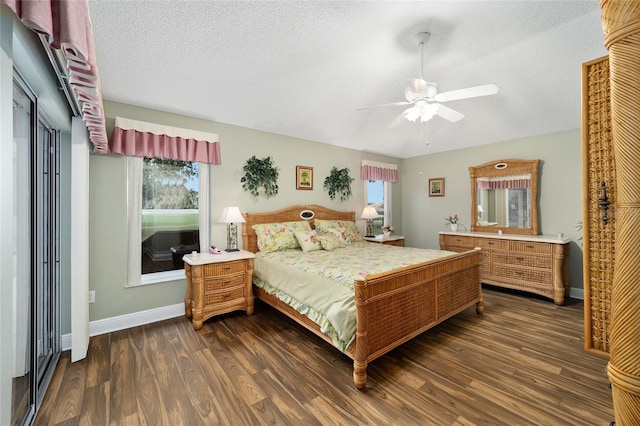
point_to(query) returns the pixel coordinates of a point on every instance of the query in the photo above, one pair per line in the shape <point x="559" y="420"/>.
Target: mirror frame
<point x="513" y="167"/>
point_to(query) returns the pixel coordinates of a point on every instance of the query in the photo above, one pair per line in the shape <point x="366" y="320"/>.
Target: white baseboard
<point x="576" y="293"/>
<point x="122" y="322"/>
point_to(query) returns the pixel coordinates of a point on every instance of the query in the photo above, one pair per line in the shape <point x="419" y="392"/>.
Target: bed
<point x="390" y="306"/>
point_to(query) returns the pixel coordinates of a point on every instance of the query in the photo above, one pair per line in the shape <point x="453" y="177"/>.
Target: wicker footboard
<point x="394" y="307"/>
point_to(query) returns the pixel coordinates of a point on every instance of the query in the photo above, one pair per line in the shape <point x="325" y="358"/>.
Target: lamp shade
<point x="231" y="215"/>
<point x="369" y="212"/>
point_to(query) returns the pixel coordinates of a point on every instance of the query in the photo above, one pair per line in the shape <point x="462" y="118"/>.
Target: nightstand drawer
<point x="223" y="282"/>
<point x="224" y="268"/>
<point x="217" y="297"/>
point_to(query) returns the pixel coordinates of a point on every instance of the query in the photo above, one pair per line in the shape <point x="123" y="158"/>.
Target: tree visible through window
<point x="170" y="215"/>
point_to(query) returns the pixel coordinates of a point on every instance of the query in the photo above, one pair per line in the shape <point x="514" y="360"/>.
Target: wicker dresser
<point x="532" y="263"/>
<point x="217" y="284"/>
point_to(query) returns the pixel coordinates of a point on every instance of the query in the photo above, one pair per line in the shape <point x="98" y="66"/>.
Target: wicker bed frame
<point x="393" y="307"/>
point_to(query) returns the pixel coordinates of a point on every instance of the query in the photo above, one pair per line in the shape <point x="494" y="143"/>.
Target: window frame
<point x="135" y="277"/>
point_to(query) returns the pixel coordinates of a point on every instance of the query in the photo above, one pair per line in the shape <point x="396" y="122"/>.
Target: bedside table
<point x="391" y="240"/>
<point x="217" y="284"/>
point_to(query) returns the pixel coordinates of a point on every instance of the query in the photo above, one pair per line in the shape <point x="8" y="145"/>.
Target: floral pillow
<point x="346" y="229"/>
<point x="280" y="235"/>
<point x="330" y="241"/>
<point x="308" y="241"/>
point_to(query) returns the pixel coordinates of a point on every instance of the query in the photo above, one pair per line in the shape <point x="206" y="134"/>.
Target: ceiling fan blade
<point x="401" y="118"/>
<point x="385" y="105"/>
<point x="469" y="92"/>
<point x="449" y="114"/>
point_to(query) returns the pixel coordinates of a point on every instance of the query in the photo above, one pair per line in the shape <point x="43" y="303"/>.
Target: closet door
<point x="599" y="196"/>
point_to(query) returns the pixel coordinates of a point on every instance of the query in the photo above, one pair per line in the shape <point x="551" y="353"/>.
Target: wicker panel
<point x="541" y="276"/>
<point x="491" y="243"/>
<point x="599" y="239"/>
<point x="224" y="282"/>
<point x="485" y="268"/>
<point x="529" y="260"/>
<point x="224" y="268"/>
<point x="454" y="292"/>
<point x="529" y="247"/>
<point x="214" y="298"/>
<point x="393" y="318"/>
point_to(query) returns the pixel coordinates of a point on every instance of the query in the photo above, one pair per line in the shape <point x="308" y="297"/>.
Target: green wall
<point x="559" y="191"/>
<point x="108" y="260"/>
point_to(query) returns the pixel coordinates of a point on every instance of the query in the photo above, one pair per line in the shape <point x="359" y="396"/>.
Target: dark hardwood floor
<point x="520" y="363"/>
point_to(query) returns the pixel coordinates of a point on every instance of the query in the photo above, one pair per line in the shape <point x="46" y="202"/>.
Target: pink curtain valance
<point x="142" y="139"/>
<point x="372" y="170"/>
<point x="67" y="26"/>
<point x="512" y="182"/>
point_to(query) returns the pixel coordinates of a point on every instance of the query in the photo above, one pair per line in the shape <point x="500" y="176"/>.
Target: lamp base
<point x="231" y="249"/>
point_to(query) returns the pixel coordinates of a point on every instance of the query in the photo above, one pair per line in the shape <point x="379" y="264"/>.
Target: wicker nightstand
<point x="217" y="284"/>
<point x="391" y="240"/>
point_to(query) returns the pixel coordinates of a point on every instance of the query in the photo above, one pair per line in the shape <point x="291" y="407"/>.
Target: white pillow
<point x="308" y="241"/>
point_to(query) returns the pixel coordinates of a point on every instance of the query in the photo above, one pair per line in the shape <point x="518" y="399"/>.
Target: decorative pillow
<point x="346" y="228"/>
<point x="330" y="241"/>
<point x="308" y="241"/>
<point x="279" y="236"/>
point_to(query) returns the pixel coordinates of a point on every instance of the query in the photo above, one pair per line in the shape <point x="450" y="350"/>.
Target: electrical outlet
<point x="92" y="296"/>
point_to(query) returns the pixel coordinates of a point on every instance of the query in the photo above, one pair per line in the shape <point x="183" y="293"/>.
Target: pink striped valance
<point x="66" y="25"/>
<point x="372" y="170"/>
<point x="507" y="182"/>
<point x="141" y="139"/>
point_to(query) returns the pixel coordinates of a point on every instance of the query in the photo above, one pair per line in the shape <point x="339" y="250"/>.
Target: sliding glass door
<point x="36" y="253"/>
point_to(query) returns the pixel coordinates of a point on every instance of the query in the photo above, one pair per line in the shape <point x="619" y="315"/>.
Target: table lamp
<point x="369" y="213"/>
<point x="231" y="216"/>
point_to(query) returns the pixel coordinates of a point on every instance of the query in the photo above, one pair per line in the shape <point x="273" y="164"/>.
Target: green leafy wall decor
<point x="260" y="173"/>
<point x="338" y="183"/>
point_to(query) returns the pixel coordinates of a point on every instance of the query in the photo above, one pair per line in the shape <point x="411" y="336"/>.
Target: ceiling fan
<point x="425" y="100"/>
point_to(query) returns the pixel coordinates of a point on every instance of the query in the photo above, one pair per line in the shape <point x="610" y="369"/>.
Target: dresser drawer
<point x="531" y="248"/>
<point x="517" y="259"/>
<point x="224" y="282"/>
<point x="541" y="276"/>
<point x="491" y="243"/>
<point x="458" y="241"/>
<point x="215" y="297"/>
<point x="224" y="268"/>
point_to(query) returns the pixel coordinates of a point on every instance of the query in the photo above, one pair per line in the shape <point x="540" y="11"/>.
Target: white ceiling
<point x="303" y="68"/>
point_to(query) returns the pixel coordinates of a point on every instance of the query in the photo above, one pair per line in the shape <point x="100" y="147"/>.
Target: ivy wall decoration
<point x="338" y="183"/>
<point x="260" y="173"/>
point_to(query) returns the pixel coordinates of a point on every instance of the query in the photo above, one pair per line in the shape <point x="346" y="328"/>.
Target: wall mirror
<point x="504" y="196"/>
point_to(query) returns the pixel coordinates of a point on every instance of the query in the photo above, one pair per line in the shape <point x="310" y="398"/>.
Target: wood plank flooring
<point x="520" y="363"/>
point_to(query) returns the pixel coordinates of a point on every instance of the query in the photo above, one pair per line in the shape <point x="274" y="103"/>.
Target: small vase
<point x="386" y="233"/>
<point x="454" y="227"/>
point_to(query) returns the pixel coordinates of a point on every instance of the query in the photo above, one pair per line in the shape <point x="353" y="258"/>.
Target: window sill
<point x="161" y="277"/>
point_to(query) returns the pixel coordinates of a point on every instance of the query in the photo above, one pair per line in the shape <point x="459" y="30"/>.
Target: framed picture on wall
<point x="436" y="187"/>
<point x="304" y="177"/>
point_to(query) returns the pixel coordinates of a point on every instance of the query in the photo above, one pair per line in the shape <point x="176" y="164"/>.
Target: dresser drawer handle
<point x="226" y="282"/>
<point x="490" y="243"/>
<point x="529" y="246"/>
<point x="226" y="295"/>
<point x="226" y="268"/>
<point x="519" y="258"/>
<point x="519" y="273"/>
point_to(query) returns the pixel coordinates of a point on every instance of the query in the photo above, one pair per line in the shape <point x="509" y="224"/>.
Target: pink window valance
<point x="507" y="182"/>
<point x="372" y="170"/>
<point x="67" y="26"/>
<point x="142" y="139"/>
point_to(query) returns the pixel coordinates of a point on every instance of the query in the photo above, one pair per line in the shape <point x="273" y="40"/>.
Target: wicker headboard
<point x="288" y="214"/>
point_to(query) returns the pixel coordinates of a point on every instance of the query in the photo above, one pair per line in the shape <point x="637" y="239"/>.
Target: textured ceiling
<point x="303" y="68"/>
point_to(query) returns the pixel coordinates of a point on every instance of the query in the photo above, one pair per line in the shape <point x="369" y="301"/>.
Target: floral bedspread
<point x="319" y="284"/>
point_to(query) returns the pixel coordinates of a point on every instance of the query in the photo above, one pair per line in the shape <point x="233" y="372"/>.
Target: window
<point x="378" y="195"/>
<point x="168" y="217"/>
